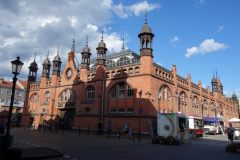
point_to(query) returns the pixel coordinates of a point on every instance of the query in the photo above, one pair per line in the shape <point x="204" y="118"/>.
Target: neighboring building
<point x="106" y="88"/>
<point x="5" y="99"/>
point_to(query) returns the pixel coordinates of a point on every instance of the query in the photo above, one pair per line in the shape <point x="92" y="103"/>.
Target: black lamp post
<point x="16" y="68"/>
<point x="140" y="110"/>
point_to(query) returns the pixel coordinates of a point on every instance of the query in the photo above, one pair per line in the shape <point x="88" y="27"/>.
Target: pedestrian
<point x="53" y="125"/>
<point x="1" y="128"/>
<point x="109" y="128"/>
<point x="45" y="125"/>
<point x="99" y="128"/>
<point x="126" y="130"/>
<point x="182" y="130"/>
<point x="130" y="133"/>
<point x="230" y="131"/>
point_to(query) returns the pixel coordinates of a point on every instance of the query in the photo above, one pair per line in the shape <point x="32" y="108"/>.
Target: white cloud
<point x="220" y="28"/>
<point x="174" y="45"/>
<point x="174" y="39"/>
<point x="136" y="9"/>
<point x="208" y="45"/>
<point x="36" y="26"/>
<point x="201" y="1"/>
<point x="160" y="64"/>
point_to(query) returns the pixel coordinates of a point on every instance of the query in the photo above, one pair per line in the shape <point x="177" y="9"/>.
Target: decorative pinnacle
<point x="102" y="33"/>
<point x="213" y="73"/>
<point x="216" y="74"/>
<point x="73" y="45"/>
<point x="145" y="16"/>
<point x="58" y="49"/>
<point x="48" y="53"/>
<point x="123" y="47"/>
<point x="34" y="56"/>
<point x="87" y="40"/>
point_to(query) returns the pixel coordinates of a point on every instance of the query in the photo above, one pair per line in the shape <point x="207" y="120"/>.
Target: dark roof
<point x="181" y="77"/>
<point x="115" y="55"/>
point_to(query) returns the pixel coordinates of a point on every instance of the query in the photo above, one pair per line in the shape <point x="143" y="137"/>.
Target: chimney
<point x="1" y="80"/>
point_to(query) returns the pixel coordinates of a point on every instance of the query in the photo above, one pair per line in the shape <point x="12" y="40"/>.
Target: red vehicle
<point x="195" y="124"/>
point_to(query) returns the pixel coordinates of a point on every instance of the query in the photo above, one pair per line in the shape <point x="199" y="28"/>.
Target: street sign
<point x="140" y="110"/>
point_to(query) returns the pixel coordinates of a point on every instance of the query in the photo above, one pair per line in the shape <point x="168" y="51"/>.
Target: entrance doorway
<point x="67" y="118"/>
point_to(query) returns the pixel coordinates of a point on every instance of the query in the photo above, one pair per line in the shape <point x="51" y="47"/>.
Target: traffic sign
<point x="140" y="110"/>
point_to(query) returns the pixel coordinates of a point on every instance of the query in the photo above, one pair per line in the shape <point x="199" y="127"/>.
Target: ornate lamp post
<point x="16" y="68"/>
<point x="140" y="110"/>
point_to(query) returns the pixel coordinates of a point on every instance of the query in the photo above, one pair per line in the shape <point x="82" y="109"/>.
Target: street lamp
<point x="140" y="111"/>
<point x="16" y="68"/>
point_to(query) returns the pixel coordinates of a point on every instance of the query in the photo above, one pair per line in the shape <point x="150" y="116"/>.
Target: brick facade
<point x="77" y="96"/>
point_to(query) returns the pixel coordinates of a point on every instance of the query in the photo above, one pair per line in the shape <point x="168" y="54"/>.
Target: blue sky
<point x="198" y="36"/>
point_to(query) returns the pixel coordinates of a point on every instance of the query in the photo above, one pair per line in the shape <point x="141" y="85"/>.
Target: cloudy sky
<point x="198" y="36"/>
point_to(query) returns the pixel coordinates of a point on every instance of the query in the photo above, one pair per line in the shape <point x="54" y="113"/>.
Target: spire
<point x="216" y="74"/>
<point x="73" y="45"/>
<point x="102" y="34"/>
<point x="145" y="16"/>
<point x="123" y="46"/>
<point x="34" y="56"/>
<point x="48" y="53"/>
<point x="213" y="74"/>
<point x="58" y="50"/>
<point x="87" y="40"/>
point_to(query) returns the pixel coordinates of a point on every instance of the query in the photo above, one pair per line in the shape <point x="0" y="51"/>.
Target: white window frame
<point x="90" y="93"/>
<point x="47" y="97"/>
<point x="130" y="110"/>
<point x="121" y="110"/>
<point x="18" y="94"/>
<point x="112" y="110"/>
<point x="121" y="89"/>
<point x="9" y="93"/>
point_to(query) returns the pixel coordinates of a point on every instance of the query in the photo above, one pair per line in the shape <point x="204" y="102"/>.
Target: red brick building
<point x="106" y="89"/>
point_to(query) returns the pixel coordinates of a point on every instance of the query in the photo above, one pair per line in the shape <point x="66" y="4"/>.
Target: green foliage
<point x="155" y="141"/>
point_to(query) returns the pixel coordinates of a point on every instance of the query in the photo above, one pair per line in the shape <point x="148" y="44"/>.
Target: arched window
<point x="137" y="70"/>
<point x="47" y="97"/>
<point x="121" y="90"/>
<point x="35" y="98"/>
<point x="113" y="93"/>
<point x="70" y="95"/>
<point x="31" y="101"/>
<point x="129" y="91"/>
<point x="61" y="97"/>
<point x="65" y="95"/>
<point x="90" y="93"/>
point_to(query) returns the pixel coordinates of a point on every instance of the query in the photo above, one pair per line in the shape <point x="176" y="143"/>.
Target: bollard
<point x="79" y="131"/>
<point x="29" y="127"/>
<point x="20" y="126"/>
<point x="63" y="129"/>
<point x="133" y="134"/>
<point x="119" y="133"/>
<point x="88" y="131"/>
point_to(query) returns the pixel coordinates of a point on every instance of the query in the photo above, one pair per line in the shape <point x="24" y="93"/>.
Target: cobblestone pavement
<point x="76" y="147"/>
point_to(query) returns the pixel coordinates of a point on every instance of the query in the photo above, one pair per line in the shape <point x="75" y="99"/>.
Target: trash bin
<point x="14" y="153"/>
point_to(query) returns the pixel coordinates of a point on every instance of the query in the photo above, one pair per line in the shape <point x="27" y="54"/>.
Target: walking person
<point x="45" y="125"/>
<point x="126" y="130"/>
<point x="99" y="128"/>
<point x="182" y="130"/>
<point x="53" y="125"/>
<point x="230" y="131"/>
<point x="130" y="132"/>
<point x="109" y="128"/>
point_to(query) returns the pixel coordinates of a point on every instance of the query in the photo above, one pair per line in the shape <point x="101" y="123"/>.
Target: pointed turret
<point x="146" y="37"/>
<point x="57" y="64"/>
<point x="32" y="76"/>
<point x="101" y="52"/>
<point x="86" y="56"/>
<point x="46" y="67"/>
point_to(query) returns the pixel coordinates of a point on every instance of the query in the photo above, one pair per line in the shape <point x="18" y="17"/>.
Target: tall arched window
<point x="65" y="95"/>
<point x="110" y="63"/>
<point x="90" y="93"/>
<point x="47" y="97"/>
<point x="164" y="93"/>
<point x="35" y="98"/>
<point x="121" y="87"/>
